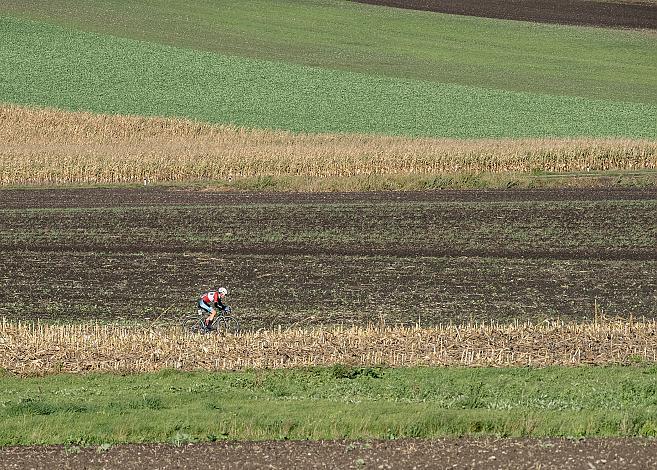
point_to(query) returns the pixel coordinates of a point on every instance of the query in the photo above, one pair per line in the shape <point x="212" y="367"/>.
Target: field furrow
<point x="313" y="259"/>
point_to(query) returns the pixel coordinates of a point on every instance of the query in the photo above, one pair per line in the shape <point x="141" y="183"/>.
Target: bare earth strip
<point x="636" y="15"/>
<point x="333" y="258"/>
<point x="120" y="197"/>
<point x="405" y="453"/>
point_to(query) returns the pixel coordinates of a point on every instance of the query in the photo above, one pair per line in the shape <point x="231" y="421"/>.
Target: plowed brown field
<point x="403" y="453"/>
<point x="312" y="259"/>
<point x="602" y="13"/>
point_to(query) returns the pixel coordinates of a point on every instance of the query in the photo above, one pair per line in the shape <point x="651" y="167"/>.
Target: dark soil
<point x="410" y="454"/>
<point x="146" y="197"/>
<point x="642" y="15"/>
<point x="304" y="259"/>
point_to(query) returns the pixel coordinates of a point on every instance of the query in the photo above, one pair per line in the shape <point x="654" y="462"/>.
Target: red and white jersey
<point x="211" y="297"/>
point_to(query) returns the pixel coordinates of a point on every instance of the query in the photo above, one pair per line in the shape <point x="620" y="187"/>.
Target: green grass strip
<point x="337" y="34"/>
<point x="51" y="66"/>
<point x="329" y="403"/>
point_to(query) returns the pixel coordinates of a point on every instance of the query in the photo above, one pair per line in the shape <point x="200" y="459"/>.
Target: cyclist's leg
<point x="205" y="310"/>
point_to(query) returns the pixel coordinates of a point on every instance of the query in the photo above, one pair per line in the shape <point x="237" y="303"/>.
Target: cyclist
<point x="212" y="301"/>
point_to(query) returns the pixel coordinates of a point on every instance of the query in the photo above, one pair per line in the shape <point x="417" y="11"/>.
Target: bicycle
<point x="223" y="323"/>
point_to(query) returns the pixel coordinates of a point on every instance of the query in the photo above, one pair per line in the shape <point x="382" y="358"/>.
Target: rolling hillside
<point x="330" y="66"/>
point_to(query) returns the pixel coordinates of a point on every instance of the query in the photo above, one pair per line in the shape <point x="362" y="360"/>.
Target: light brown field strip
<point x="45" y="146"/>
<point x="37" y="349"/>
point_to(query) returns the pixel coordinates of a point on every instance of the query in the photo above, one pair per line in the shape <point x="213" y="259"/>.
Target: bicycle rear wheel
<point x="192" y="324"/>
<point x="224" y="324"/>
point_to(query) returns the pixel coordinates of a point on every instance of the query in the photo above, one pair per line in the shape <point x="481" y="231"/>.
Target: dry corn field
<point x="37" y="349"/>
<point x="44" y="146"/>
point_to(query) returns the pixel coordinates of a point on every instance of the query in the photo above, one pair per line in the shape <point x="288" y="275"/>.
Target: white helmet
<point x="222" y="290"/>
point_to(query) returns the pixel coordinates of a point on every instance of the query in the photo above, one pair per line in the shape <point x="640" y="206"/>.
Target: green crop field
<point x="586" y="62"/>
<point x="330" y="66"/>
<point x="320" y="403"/>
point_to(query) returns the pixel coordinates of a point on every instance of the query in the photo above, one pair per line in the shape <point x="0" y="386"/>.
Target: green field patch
<point x="335" y="34"/>
<point x="85" y="71"/>
<point x="328" y="403"/>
